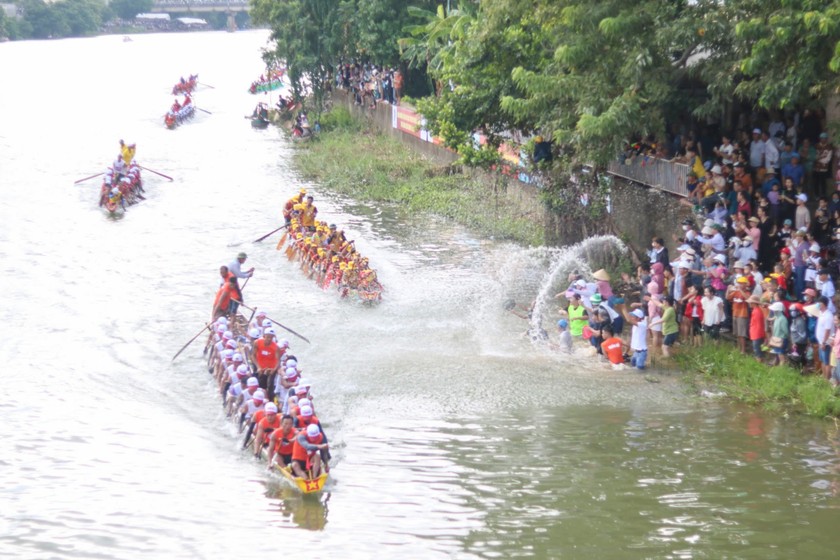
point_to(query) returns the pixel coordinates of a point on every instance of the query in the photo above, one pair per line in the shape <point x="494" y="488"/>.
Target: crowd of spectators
<point x="370" y="83"/>
<point x="758" y="258"/>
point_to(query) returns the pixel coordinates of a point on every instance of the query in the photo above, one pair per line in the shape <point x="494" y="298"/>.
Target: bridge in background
<point x="196" y="6"/>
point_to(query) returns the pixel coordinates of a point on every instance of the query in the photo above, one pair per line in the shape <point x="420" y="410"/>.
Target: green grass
<point x="354" y="160"/>
<point x="746" y="380"/>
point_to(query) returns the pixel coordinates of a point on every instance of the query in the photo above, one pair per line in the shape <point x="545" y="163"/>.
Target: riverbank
<point x="720" y="367"/>
<point x="352" y="158"/>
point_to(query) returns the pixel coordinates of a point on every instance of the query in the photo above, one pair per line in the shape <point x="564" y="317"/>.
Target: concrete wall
<point x="380" y="117"/>
<point x="639" y="213"/>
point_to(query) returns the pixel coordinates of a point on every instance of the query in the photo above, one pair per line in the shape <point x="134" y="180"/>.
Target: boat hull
<point x="304" y="485"/>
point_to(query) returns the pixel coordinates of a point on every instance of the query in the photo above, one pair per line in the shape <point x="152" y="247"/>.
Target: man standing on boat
<point x="235" y="267"/>
<point x="266" y="355"/>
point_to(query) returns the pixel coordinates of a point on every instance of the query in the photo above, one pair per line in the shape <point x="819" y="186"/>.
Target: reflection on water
<point x="659" y="485"/>
<point x="290" y="506"/>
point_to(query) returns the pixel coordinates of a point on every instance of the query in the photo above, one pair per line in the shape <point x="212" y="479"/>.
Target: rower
<point x="281" y="442"/>
<point x="265" y="427"/>
<point x="266" y="355"/>
<point x="306" y="418"/>
<point x="251" y="388"/>
<point x="284" y="383"/>
<point x="306" y="452"/>
<point x="309" y="213"/>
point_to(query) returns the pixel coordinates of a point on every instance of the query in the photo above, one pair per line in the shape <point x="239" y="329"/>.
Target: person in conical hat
<point x="601" y="274"/>
<point x="603" y="284"/>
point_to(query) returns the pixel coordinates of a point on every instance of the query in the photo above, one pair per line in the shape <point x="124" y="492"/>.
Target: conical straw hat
<point x="601" y="275"/>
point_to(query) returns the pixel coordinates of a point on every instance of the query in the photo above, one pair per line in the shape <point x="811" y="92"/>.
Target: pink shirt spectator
<point x="604" y="289"/>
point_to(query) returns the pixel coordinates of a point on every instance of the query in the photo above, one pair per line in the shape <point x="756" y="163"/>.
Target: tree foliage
<point x="67" y="18"/>
<point x="128" y="9"/>
<point x="308" y="39"/>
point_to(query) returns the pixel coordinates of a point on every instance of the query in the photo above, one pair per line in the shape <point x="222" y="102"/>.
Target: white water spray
<point x="544" y="271"/>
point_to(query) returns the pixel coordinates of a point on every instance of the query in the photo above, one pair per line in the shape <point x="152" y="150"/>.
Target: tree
<point x="128" y="9"/>
<point x="792" y="53"/>
<point x="81" y="17"/>
<point x="308" y="39"/>
<point x="373" y="27"/>
<point x="42" y="21"/>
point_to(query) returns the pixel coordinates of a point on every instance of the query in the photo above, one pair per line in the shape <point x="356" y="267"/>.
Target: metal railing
<point x="657" y="173"/>
<point x="200" y="3"/>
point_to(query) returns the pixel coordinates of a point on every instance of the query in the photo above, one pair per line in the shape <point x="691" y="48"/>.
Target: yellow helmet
<point x="297" y="207"/>
<point x="335" y="258"/>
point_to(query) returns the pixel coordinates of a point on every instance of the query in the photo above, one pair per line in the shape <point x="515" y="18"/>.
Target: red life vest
<point x="303" y="422"/>
<point x="298" y="451"/>
<point x="266" y="354"/>
<point x="285" y="448"/>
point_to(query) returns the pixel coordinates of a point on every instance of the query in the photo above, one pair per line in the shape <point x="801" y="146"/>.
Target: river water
<point x="454" y="436"/>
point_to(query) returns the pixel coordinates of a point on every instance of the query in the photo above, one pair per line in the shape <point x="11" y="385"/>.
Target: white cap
<point x="815" y="248"/>
<point x="581" y="283"/>
<point x="227" y="334"/>
<point x="237" y="357"/>
<point x="716" y="169"/>
<point x="252" y="382"/>
<point x="720" y="258"/>
<point x="222" y="320"/>
<point x="231" y="344"/>
<point x="267" y="323"/>
<point x="259" y="395"/>
<point x="802" y="196"/>
<point x="269" y="331"/>
<point x="291" y="363"/>
<point x="306" y="411"/>
<point x="291" y="372"/>
<point x="254" y="333"/>
<point x="313" y="430"/>
<point x="777" y="306"/>
<point x="227" y="354"/>
<point x="283" y="343"/>
<point x="243" y="370"/>
<point x="638" y="313"/>
<point x="271" y="408"/>
<point x="260" y="313"/>
<point x="305" y="402"/>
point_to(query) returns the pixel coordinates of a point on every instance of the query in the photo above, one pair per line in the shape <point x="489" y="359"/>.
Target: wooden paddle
<point x="206" y="85"/>
<point x="156" y="172"/>
<point x="87" y="178"/>
<point x="270" y="233"/>
<point x="205" y="110"/>
<point x="273" y="322"/>
<point x="282" y="239"/>
<point x="205" y="328"/>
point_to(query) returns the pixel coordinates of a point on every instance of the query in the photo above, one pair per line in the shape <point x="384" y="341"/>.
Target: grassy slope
<point x="746" y="380"/>
<point x="370" y="166"/>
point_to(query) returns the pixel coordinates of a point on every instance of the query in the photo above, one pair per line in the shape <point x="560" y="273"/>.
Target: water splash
<point x="544" y="271"/>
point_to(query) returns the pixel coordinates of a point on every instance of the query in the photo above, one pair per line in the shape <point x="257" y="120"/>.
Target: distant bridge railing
<point x="199" y="5"/>
<point x="654" y="172"/>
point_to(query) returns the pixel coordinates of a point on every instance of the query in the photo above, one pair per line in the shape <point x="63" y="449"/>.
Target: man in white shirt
<point x="771" y="152"/>
<point x="236" y="267"/>
<point x="826" y="288"/>
<point x="756" y="150"/>
<point x="824" y="333"/>
<point x="638" y="337"/>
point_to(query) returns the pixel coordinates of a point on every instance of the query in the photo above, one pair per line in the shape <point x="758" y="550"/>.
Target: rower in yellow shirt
<point x="309" y="213"/>
<point x="127" y="151"/>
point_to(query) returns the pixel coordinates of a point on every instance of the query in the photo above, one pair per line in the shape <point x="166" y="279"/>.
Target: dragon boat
<point x="327" y="257"/>
<point x="173" y="119"/>
<point x="185" y="86"/>
<point x="230" y="343"/>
